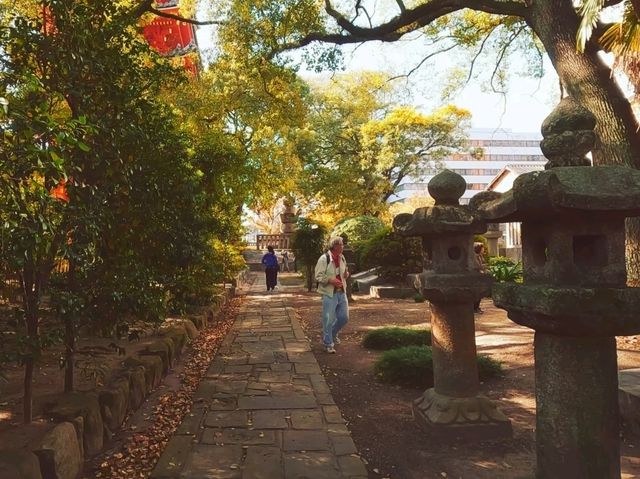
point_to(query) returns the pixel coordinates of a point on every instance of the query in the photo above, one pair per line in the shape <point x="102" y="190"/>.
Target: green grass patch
<point x="391" y="338"/>
<point x="413" y="366"/>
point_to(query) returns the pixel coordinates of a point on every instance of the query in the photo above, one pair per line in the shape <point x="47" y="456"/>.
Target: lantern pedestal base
<point x="474" y="418"/>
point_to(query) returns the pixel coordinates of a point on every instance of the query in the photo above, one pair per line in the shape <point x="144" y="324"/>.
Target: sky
<point x="526" y="104"/>
<point x="522" y="109"/>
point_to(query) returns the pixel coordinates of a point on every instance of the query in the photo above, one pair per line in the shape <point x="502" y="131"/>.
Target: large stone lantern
<point x="574" y="294"/>
<point x="453" y="407"/>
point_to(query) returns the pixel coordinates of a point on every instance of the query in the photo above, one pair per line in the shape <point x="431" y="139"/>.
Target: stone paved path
<point x="264" y="410"/>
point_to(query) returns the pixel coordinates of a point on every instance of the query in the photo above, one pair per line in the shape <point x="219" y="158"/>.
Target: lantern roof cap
<point x="447" y="216"/>
<point x="447" y="187"/>
<point x="564" y="191"/>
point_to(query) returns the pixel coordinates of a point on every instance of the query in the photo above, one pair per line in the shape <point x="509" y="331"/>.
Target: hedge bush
<point x="419" y="298"/>
<point x="413" y="366"/>
<point x="395" y="256"/>
<point x="391" y="338"/>
<point x="408" y="366"/>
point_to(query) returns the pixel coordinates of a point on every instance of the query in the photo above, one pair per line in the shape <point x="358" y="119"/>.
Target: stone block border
<point x="85" y="421"/>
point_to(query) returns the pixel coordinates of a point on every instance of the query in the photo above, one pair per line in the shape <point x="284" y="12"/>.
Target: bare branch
<point x="401" y="6"/>
<point x="141" y="8"/>
<point x="161" y="13"/>
<point x="503" y="52"/>
<point x="478" y="53"/>
<point x="357" y="8"/>
<point x="414" y="69"/>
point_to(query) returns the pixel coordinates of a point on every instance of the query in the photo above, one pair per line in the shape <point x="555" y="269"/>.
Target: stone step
<point x="366" y="279"/>
<point x="391" y="292"/>
<point x="629" y="398"/>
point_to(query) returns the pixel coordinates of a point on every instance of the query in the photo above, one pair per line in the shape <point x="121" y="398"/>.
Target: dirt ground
<point x="96" y="359"/>
<point x="379" y="415"/>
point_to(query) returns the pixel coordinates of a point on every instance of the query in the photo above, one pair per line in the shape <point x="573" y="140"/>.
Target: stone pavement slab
<point x="263" y="409"/>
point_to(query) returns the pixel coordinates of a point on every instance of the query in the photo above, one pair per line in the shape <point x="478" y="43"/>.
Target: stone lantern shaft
<point x="454" y="407"/>
<point x="574" y="294"/>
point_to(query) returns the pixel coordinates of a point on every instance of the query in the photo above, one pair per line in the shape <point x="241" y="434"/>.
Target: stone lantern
<point x="574" y="294"/>
<point x="493" y="235"/>
<point x="453" y="407"/>
<point x="288" y="219"/>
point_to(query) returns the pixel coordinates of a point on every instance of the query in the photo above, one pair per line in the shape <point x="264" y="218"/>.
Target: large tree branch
<point x="407" y="21"/>
<point x="161" y="13"/>
<point x="412" y="19"/>
<point x="141" y="8"/>
<point x="146" y="6"/>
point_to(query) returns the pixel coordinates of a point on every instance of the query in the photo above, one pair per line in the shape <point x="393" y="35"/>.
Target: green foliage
<point x="483" y="240"/>
<point x="413" y="366"/>
<point x="359" y="144"/>
<point x="394" y="255"/>
<point x="99" y="170"/>
<point x="505" y="270"/>
<point x="308" y="243"/>
<point x="488" y="367"/>
<point x="229" y="257"/>
<point x="391" y="338"/>
<point x="419" y="298"/>
<point x="409" y="366"/>
<point x="358" y="229"/>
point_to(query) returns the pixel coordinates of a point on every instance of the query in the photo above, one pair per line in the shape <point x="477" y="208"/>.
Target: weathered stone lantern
<point x="574" y="294"/>
<point x="453" y="407"/>
<point x="493" y="235"/>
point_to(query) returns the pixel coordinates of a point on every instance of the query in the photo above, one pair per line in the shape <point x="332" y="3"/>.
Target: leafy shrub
<point x="395" y="256"/>
<point x="410" y="365"/>
<point x="419" y="298"/>
<point x="358" y="228"/>
<point x="228" y="258"/>
<point x="413" y="366"/>
<point x="488" y="367"/>
<point x="505" y="270"/>
<point x="483" y="240"/>
<point x="308" y="243"/>
<point x="391" y="338"/>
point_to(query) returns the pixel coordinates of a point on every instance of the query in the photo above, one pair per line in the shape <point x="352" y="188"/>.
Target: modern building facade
<point x="488" y="151"/>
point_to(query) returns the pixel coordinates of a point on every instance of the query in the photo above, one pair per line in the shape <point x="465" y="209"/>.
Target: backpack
<point x="328" y="257"/>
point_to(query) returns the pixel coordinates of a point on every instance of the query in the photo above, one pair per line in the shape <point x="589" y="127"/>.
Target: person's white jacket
<point x="324" y="272"/>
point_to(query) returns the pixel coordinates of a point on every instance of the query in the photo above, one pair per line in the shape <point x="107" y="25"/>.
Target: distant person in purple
<point x="271" y="267"/>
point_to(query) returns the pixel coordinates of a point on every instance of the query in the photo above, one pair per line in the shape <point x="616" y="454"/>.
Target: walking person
<point x="331" y="274"/>
<point x="270" y="262"/>
<point x="481" y="267"/>
<point x="285" y="261"/>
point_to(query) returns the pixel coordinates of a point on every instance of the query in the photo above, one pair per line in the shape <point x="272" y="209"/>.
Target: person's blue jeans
<point x="335" y="314"/>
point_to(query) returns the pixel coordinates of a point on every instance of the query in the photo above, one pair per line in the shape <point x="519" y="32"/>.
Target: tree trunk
<point x="588" y="80"/>
<point x="31" y="318"/>
<point x="27" y="401"/>
<point x="70" y="332"/>
<point x="633" y="252"/>
<point x="309" y="270"/>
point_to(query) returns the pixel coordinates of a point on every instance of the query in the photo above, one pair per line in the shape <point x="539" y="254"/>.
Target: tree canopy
<point x="360" y="143"/>
<point x="551" y="25"/>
